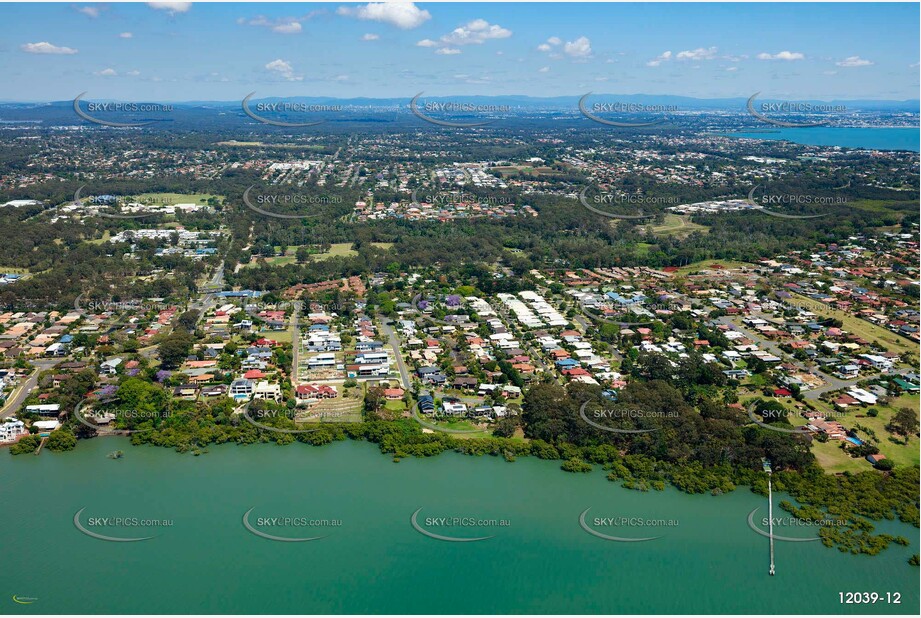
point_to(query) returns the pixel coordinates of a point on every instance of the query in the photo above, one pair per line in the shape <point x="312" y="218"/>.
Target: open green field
<point x="678" y="225"/>
<point x="290" y="256"/>
<point x="239" y="144"/>
<point x="515" y="170"/>
<point x="13" y="271"/>
<point x="882" y="205"/>
<point x="164" y="199"/>
<point x="341" y="249"/>
<point x="858" y="326"/>
<point x="281" y="336"/>
<point x="834" y="460"/>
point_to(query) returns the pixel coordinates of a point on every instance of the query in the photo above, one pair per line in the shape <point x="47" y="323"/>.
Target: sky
<point x="180" y="51"/>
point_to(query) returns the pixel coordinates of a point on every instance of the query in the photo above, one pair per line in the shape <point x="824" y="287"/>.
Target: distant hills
<point x="515" y="102"/>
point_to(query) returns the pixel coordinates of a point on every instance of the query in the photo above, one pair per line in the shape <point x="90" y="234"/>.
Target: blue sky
<point x="176" y="51"/>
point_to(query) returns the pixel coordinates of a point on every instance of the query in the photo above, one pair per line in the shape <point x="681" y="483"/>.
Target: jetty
<point x="766" y="466"/>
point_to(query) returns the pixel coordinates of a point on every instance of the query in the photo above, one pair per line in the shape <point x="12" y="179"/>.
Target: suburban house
<point x="267" y="390"/>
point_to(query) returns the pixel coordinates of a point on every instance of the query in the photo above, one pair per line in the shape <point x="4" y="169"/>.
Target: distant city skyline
<point x="180" y="51"/>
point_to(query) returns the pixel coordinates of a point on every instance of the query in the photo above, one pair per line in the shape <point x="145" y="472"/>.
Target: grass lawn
<point x="678" y="225"/>
<point x="282" y="336"/>
<point x="834" y="460"/>
<point x="642" y="248"/>
<point x="395" y="406"/>
<point x="858" y="326"/>
<point x="176" y="198"/>
<point x="17" y="271"/>
<point x="382" y="245"/>
<point x="336" y="250"/>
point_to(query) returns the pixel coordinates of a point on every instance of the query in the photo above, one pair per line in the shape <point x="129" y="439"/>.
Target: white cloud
<point x="284" y="69"/>
<point x="476" y="32"/>
<point x="341" y="78"/>
<point x="663" y="57"/>
<point x="171" y="7"/>
<point x="580" y="48"/>
<point x="125" y="35"/>
<point x="701" y="53"/>
<point x="544" y="47"/>
<point x="732" y="68"/>
<point x="370" y="37"/>
<point x="47" y="48"/>
<point x="829" y="72"/>
<point x="133" y="73"/>
<point x="107" y="72"/>
<point x="543" y="70"/>
<point x="783" y="55"/>
<point x="427" y="43"/>
<point x="554" y="40"/>
<point x="90" y="11"/>
<point x="403" y="15"/>
<point x="282" y="25"/>
<point x="854" y="61"/>
<point x="447" y="51"/>
<point x="293" y="27"/>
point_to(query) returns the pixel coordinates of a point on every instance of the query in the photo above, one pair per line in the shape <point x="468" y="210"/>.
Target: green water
<point x="375" y="562"/>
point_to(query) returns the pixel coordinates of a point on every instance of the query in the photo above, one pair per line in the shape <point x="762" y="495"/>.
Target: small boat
<point x="116" y="455"/>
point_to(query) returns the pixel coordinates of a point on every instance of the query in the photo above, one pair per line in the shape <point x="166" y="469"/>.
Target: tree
<point x="62" y="440"/>
<point x="187" y="320"/>
<point x="174" y="349"/>
<point x="905" y="422"/>
<point x="506" y="427"/>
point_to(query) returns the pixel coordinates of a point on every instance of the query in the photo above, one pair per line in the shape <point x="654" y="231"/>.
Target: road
<point x="394" y="343"/>
<point x="216" y="284"/>
<point x="25" y="389"/>
<point x="295" y="344"/>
